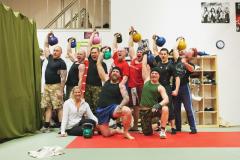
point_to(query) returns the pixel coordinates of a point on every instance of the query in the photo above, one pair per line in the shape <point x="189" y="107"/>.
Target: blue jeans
<point x="184" y="96"/>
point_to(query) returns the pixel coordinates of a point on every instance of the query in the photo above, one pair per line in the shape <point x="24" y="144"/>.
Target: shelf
<point x="206" y="72"/>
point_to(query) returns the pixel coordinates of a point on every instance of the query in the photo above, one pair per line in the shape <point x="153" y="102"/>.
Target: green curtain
<point x="19" y="75"/>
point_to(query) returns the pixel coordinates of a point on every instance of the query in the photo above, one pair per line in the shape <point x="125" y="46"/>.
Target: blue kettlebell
<point x="52" y="40"/>
<point x="106" y="52"/>
<point x="160" y="41"/>
<point x="150" y="58"/>
<point x="73" y="43"/>
<point x="88" y="130"/>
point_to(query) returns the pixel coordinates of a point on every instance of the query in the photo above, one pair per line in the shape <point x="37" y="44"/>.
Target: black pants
<point x="77" y="130"/>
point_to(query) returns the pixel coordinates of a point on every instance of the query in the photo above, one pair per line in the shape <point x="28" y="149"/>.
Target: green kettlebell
<point x="87" y="130"/>
<point x="107" y="54"/>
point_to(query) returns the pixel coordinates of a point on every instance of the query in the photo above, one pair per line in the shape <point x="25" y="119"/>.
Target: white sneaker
<point x="163" y="134"/>
<point x="196" y="98"/>
<point x="45" y="130"/>
<point x="197" y="67"/>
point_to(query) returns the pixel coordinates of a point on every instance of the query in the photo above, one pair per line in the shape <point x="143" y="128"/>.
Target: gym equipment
<point x="52" y="40"/>
<point x="96" y="39"/>
<point x="73" y="42"/>
<point x="160" y="41"/>
<point x="88" y="130"/>
<point x="119" y="37"/>
<point x="136" y="36"/>
<point x="150" y="58"/>
<point x="106" y="52"/>
<point x="181" y="44"/>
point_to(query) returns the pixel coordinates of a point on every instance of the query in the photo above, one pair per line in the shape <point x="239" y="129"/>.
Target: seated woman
<point x="76" y="112"/>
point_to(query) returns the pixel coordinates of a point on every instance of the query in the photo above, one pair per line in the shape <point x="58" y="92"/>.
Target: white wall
<point x="179" y="18"/>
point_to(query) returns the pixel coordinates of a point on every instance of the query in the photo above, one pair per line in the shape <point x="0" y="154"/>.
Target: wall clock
<point x="220" y="44"/>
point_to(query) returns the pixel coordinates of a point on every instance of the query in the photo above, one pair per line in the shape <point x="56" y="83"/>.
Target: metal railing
<point x="78" y="15"/>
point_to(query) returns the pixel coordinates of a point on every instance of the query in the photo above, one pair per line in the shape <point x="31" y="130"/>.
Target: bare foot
<point x="128" y="136"/>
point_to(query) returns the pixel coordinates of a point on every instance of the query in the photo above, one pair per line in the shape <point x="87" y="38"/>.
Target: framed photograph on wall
<point x="237" y="6"/>
<point x="215" y="12"/>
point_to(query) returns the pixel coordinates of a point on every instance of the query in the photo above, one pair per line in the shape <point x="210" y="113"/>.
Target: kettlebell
<point x="52" y="40"/>
<point x="160" y="41"/>
<point x="88" y="130"/>
<point x="150" y="58"/>
<point x="136" y="36"/>
<point x="181" y="44"/>
<point x="119" y="37"/>
<point x="73" y="43"/>
<point x="106" y="52"/>
<point x="96" y="39"/>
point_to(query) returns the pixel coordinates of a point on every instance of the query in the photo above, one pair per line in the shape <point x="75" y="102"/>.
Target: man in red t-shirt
<point x="135" y="81"/>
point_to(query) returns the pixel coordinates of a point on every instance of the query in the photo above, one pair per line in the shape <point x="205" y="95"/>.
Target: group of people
<point x="218" y="15"/>
<point x="137" y="89"/>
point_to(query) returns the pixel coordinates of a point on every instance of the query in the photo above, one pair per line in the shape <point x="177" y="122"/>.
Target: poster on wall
<point x="237" y="6"/>
<point x="215" y="12"/>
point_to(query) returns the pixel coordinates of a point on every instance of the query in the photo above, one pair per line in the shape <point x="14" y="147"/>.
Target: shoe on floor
<point x="174" y="131"/>
<point x="163" y="134"/>
<point x="193" y="132"/>
<point x="45" y="130"/>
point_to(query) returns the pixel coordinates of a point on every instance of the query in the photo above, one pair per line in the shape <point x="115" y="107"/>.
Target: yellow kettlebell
<point x="136" y="36"/>
<point x="181" y="44"/>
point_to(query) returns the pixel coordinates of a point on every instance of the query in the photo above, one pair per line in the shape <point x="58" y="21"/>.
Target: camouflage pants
<point x="146" y="120"/>
<point x="92" y="96"/>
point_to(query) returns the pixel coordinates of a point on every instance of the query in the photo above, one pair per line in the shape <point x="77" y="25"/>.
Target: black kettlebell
<point x="52" y="40"/>
<point x="119" y="37"/>
<point x="88" y="130"/>
<point x="73" y="42"/>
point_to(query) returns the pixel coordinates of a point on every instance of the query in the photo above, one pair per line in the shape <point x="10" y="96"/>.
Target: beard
<point x="114" y="78"/>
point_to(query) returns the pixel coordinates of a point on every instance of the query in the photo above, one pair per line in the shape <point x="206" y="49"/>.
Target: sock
<point x="163" y="128"/>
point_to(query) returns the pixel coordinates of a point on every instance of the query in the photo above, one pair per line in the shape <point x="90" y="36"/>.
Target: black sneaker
<point x="193" y="132"/>
<point x="174" y="131"/>
<point x="178" y="129"/>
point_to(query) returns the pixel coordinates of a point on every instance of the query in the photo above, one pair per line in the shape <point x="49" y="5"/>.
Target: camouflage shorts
<point x="92" y="96"/>
<point x="146" y="121"/>
<point x="50" y="96"/>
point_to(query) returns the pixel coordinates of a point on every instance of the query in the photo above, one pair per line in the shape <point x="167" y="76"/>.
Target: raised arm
<point x="155" y="48"/>
<point x="46" y="49"/>
<point x="101" y="72"/>
<point x="131" y="44"/>
<point x="69" y="50"/>
<point x="187" y="65"/>
<point x="145" y="71"/>
<point x="115" y="45"/>
<point x="90" y="43"/>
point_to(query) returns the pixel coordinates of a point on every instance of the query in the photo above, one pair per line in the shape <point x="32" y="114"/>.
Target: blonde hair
<point x="74" y="88"/>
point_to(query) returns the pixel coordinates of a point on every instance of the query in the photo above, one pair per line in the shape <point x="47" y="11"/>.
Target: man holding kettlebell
<point x="112" y="102"/>
<point x="55" y="77"/>
<point x="93" y="81"/>
<point x="154" y="100"/>
<point x="76" y="72"/>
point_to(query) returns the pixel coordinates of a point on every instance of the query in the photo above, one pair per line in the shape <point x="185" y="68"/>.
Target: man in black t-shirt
<point x="112" y="101"/>
<point x="167" y="71"/>
<point x="93" y="81"/>
<point x="55" y="77"/>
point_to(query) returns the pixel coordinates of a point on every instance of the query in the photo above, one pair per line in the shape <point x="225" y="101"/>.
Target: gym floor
<point x="17" y="149"/>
